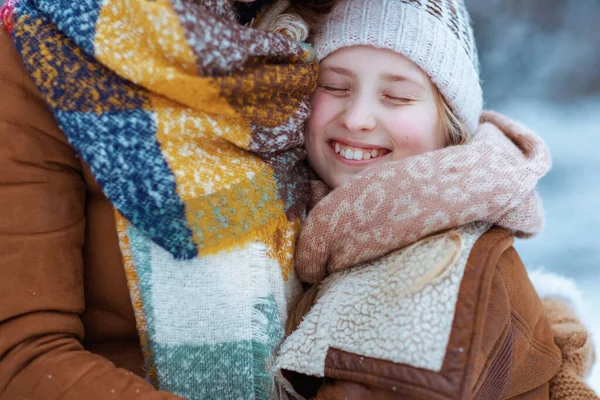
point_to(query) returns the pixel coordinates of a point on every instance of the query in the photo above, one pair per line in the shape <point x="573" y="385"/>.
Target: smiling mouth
<point x="353" y="153"/>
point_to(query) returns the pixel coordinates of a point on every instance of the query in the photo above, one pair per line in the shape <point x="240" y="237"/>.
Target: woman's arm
<point x="42" y="226"/>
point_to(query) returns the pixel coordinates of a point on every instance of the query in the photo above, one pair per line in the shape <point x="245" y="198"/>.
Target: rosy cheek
<point x="322" y="112"/>
<point x="320" y="101"/>
<point x="406" y="137"/>
<point x="415" y="134"/>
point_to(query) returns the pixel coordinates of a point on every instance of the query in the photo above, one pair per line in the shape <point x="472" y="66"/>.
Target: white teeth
<point x="355" y="154"/>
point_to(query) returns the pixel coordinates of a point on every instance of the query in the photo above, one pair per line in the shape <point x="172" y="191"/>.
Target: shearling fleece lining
<point x="399" y="308"/>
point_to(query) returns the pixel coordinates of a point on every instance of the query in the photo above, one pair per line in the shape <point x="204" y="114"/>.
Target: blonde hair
<point x="301" y="307"/>
<point x="456" y="131"/>
<point x="313" y="11"/>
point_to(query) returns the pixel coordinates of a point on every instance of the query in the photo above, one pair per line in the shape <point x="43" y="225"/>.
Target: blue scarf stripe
<point x="142" y="178"/>
<point x="76" y="18"/>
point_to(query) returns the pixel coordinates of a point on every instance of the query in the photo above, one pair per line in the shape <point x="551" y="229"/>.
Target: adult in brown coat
<point x="67" y="325"/>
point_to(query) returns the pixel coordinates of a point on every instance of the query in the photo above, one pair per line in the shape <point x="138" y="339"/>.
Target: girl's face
<point x="370" y="106"/>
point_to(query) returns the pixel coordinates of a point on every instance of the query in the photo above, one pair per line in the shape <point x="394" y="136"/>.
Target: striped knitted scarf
<point x="491" y="179"/>
<point x="192" y="125"/>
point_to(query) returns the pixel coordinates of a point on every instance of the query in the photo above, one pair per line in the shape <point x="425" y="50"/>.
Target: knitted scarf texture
<point x="193" y="126"/>
<point x="390" y="206"/>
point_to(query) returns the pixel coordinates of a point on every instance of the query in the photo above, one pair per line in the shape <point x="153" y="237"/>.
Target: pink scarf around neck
<point x="387" y="207"/>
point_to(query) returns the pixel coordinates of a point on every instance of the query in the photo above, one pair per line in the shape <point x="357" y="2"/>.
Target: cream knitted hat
<point x="434" y="34"/>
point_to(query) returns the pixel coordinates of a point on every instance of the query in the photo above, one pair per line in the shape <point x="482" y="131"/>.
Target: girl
<point x="428" y="193"/>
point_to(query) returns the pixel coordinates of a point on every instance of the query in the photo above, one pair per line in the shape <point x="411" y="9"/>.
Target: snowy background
<point x="540" y="62"/>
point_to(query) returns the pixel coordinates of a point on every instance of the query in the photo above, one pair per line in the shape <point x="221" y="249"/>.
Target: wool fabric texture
<point x="193" y="126"/>
<point x="384" y="308"/>
<point x="577" y="349"/>
<point x="389" y="206"/>
<point x="436" y="35"/>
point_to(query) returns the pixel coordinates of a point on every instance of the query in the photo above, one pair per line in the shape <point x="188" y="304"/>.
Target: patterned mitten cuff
<point x="577" y="349"/>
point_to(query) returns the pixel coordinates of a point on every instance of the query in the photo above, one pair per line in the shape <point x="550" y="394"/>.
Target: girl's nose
<point x="358" y="116"/>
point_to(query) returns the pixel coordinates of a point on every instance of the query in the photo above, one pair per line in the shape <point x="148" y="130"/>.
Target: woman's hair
<point x="301" y="307"/>
<point x="312" y="11"/>
<point x="456" y="132"/>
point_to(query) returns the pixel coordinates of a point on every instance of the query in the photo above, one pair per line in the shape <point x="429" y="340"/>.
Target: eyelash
<point x="334" y="90"/>
<point x="402" y="100"/>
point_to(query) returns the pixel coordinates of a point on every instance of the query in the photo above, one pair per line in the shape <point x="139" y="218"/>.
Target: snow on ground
<point x="570" y="243"/>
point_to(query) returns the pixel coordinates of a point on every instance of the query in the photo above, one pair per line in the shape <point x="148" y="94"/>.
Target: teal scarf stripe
<point x="195" y="370"/>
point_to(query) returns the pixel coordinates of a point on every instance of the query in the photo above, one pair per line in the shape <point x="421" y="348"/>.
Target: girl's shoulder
<point x="440" y="317"/>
